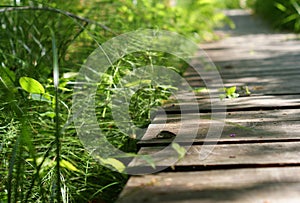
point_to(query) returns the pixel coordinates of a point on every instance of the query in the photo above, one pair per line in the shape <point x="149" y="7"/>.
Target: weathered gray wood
<point x="232" y="133"/>
<point x="260" y="82"/>
<point x="226" y="155"/>
<point x="266" y="47"/>
<point x="257" y="84"/>
<point x="268" y="140"/>
<point x="238" y="116"/>
<point x="241" y="103"/>
<point x="231" y="71"/>
<point x="261" y="126"/>
<point x="261" y="185"/>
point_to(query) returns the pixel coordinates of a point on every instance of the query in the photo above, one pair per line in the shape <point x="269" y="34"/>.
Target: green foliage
<point x="31" y="85"/>
<point x="283" y="14"/>
<point x="180" y="150"/>
<point x="230" y="92"/>
<point x="42" y="47"/>
<point x="230" y="4"/>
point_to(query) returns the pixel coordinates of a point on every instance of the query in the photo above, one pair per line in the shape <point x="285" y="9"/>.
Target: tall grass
<point x="282" y="14"/>
<point x="42" y="159"/>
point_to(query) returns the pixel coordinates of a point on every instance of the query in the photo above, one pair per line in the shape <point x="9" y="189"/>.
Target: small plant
<point x="230" y="92"/>
<point x="233" y="92"/>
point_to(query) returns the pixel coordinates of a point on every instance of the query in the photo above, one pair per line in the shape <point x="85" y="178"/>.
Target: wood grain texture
<point x="256" y="157"/>
<point x="237" y="155"/>
<point x="237" y="104"/>
<point x="261" y="185"/>
<point x="260" y="126"/>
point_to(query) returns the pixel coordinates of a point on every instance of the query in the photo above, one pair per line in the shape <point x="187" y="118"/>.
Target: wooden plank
<point x="242" y="48"/>
<point x="262" y="88"/>
<point x="238" y="116"/>
<point x="258" y="83"/>
<point x="241" y="103"/>
<point x="230" y="71"/>
<point x="232" y="133"/>
<point x="281" y="79"/>
<point x="235" y="73"/>
<point x="224" y="156"/>
<point x="261" y="185"/>
<point x="227" y="70"/>
<point x="263" y="126"/>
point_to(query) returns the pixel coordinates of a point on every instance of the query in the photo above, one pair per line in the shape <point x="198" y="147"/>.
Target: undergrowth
<point x="282" y="14"/>
<point x="43" y="45"/>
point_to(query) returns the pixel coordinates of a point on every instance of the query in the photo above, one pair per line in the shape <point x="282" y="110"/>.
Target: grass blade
<point x="57" y="128"/>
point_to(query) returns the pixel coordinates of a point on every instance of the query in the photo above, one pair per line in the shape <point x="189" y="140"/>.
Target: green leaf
<point x="296" y="6"/>
<point x="280" y="6"/>
<point x="40" y="97"/>
<point x="222" y="96"/>
<point x="48" y="114"/>
<point x="118" y="165"/>
<point x="200" y="90"/>
<point x="66" y="164"/>
<point x="69" y="75"/>
<point x="7" y="77"/>
<point x="235" y="95"/>
<point x="180" y="150"/>
<point x="149" y="160"/>
<point x="31" y="85"/>
<point x="138" y="82"/>
<point x="230" y="91"/>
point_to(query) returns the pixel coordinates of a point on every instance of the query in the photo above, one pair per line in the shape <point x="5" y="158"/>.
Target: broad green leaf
<point x="31" y="85"/>
<point x="66" y="164"/>
<point x="180" y="150"/>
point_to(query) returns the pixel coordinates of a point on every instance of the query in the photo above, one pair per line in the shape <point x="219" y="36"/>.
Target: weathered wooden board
<point x="260" y="144"/>
<point x="227" y="70"/>
<point x="241" y="103"/>
<point x="267" y="83"/>
<point x="201" y="157"/>
<point x="230" y="134"/>
<point x="238" y="116"/>
<point x="258" y="83"/>
<point x="289" y="87"/>
<point x="239" y="127"/>
<point x="279" y="77"/>
<point x="254" y="47"/>
<point x="261" y="185"/>
<point x="236" y="73"/>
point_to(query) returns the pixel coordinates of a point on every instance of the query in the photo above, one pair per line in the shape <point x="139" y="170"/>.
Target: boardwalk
<point x="257" y="158"/>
